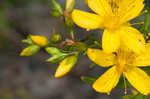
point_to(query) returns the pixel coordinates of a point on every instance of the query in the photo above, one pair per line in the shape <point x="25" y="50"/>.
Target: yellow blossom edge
<point x="106" y="82"/>
<point x="100" y="57"/>
<point x="87" y="20"/>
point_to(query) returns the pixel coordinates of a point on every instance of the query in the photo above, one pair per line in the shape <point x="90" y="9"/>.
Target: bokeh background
<point x="32" y="77"/>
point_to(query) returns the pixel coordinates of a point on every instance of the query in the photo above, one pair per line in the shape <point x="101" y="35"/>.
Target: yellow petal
<point x="101" y="7"/>
<point x="144" y="58"/>
<point x="110" y="41"/>
<point x="100" y="58"/>
<point x="132" y="39"/>
<point x="87" y="20"/>
<point x="107" y="81"/>
<point x="139" y="79"/>
<point x="129" y="9"/>
<point x="65" y="66"/>
<point x="147" y="47"/>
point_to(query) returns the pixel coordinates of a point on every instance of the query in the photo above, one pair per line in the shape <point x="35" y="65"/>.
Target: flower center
<point x="124" y="60"/>
<point x="111" y="22"/>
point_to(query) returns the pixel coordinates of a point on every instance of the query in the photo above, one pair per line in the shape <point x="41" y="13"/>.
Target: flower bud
<point x="41" y="41"/>
<point x="52" y="50"/>
<point x="30" y="50"/>
<point x="65" y="66"/>
<point x="70" y="5"/>
<point x="56" y="37"/>
<point x="57" y="10"/>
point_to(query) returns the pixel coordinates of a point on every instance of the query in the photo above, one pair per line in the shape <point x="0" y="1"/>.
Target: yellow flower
<point x="113" y="17"/>
<point x="123" y="62"/>
<point x="40" y="40"/>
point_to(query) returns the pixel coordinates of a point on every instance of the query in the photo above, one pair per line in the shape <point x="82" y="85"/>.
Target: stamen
<point x="137" y="23"/>
<point x="125" y="84"/>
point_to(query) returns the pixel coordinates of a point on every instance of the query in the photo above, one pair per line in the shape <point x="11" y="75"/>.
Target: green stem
<point x="146" y="22"/>
<point x="145" y="27"/>
<point x="72" y="34"/>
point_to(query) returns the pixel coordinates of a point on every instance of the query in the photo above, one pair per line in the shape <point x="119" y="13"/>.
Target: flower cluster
<point x="124" y="48"/>
<point x="122" y="45"/>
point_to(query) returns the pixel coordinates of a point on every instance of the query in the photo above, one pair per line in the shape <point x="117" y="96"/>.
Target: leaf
<point x="92" y="65"/>
<point x="121" y="83"/>
<point x="140" y="96"/>
<point x="127" y="97"/>
<point x="89" y="80"/>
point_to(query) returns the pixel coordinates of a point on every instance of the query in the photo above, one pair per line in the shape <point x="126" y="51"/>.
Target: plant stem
<point x="72" y="34"/>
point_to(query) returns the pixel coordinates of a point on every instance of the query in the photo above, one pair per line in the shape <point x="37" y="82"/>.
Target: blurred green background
<point x="32" y="77"/>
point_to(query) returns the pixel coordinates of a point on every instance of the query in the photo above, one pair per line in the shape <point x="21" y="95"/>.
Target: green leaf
<point x="92" y="65"/>
<point x="146" y="69"/>
<point x="89" y="80"/>
<point x="139" y="96"/>
<point x="127" y="97"/>
<point x="121" y="83"/>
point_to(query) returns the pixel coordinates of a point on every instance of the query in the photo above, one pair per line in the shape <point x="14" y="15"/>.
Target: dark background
<point x="32" y="77"/>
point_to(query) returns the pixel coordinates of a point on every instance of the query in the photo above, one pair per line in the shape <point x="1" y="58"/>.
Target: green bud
<point x="56" y="58"/>
<point x="30" y="50"/>
<point x="92" y="65"/>
<point x="53" y="51"/>
<point x="55" y="14"/>
<point x="28" y="40"/>
<point x="57" y="10"/>
<point x="56" y="37"/>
